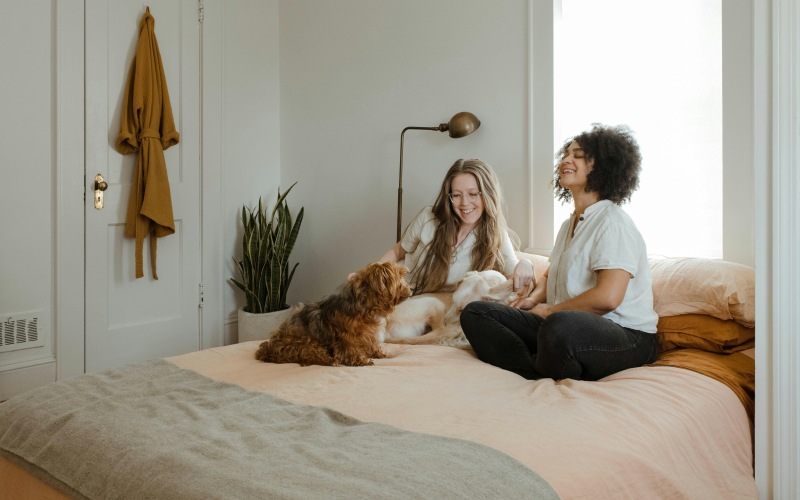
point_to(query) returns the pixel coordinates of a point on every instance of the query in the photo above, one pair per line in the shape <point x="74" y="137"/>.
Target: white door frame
<point x="213" y="258"/>
<point x="71" y="184"/>
<point x="69" y="279"/>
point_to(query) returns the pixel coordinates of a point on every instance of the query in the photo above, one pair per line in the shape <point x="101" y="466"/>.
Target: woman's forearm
<point x="394" y="254"/>
<point x="603" y="298"/>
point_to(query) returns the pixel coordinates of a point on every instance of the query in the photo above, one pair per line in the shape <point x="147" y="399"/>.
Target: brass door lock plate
<point x="100" y="185"/>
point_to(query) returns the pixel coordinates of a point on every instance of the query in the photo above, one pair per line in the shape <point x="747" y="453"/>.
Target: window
<point x="655" y="66"/>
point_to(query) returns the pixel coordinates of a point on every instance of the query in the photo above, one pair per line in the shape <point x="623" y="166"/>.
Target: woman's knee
<point x="471" y="313"/>
<point x="476" y="307"/>
<point x="555" y="331"/>
<point x="474" y="311"/>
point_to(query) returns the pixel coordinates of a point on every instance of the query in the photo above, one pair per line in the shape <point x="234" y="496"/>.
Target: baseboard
<point x="19" y="380"/>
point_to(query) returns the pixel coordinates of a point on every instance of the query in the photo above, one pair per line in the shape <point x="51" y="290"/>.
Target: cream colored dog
<point x="438" y="314"/>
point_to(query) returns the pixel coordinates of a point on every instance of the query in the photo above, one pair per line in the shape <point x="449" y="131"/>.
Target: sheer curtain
<point x="656" y="66"/>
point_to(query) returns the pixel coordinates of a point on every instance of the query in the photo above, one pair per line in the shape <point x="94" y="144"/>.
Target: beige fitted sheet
<point x="648" y="432"/>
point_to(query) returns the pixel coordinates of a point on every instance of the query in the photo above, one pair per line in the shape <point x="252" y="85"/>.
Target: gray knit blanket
<point x="153" y="430"/>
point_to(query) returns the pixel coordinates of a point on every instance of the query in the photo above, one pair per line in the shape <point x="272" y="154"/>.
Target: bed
<point x="425" y="422"/>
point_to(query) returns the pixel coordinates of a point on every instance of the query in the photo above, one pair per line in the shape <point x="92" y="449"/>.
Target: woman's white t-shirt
<point x="605" y="238"/>
<point x="420" y="234"/>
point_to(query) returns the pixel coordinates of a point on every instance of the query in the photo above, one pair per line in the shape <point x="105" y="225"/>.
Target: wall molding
<point x="785" y="278"/>
<point x="777" y="29"/>
<point x="211" y="114"/>
<point x="70" y="188"/>
<point x="541" y="116"/>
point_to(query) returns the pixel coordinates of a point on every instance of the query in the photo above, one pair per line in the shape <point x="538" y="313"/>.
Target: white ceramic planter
<point x="260" y="326"/>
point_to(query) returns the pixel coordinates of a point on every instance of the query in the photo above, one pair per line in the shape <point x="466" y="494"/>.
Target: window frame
<point x="737" y="123"/>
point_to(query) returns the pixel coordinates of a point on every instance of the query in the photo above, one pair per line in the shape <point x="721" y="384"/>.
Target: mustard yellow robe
<point x="147" y="128"/>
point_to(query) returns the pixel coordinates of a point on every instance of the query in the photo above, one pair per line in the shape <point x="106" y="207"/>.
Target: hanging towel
<point x="147" y="128"/>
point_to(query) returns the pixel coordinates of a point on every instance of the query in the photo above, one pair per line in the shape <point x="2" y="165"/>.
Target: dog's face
<point x="474" y="286"/>
<point x="381" y="286"/>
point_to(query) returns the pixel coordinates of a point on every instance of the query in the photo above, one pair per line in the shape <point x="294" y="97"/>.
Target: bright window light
<point x="656" y="66"/>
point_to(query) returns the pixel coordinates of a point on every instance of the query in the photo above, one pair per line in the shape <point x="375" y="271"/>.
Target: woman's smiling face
<point x="574" y="169"/>
<point x="466" y="199"/>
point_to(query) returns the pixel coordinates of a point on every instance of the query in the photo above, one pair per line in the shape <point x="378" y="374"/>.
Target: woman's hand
<point x="524" y="303"/>
<point x="535" y="298"/>
<point x="542" y="310"/>
<point x="523" y="277"/>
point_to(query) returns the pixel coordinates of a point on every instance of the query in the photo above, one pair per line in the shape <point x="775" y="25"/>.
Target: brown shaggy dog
<point x="342" y="328"/>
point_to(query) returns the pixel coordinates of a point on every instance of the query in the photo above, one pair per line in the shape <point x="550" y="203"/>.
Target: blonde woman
<point x="465" y="230"/>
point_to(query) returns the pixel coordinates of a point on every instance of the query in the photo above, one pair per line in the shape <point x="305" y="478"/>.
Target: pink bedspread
<point x="649" y="432"/>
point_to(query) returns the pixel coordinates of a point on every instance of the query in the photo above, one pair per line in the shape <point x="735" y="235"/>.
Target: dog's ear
<point x="500" y="292"/>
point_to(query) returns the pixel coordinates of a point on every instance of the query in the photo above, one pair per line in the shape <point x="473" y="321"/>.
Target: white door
<point x="129" y="319"/>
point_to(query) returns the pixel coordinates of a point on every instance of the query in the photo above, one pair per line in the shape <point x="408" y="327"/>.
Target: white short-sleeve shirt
<point x="420" y="234"/>
<point x="605" y="238"/>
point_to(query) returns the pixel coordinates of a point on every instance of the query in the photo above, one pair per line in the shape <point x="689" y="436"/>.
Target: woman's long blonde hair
<point x="432" y="271"/>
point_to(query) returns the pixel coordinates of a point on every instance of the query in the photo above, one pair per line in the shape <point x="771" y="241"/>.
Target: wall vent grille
<point x="21" y="331"/>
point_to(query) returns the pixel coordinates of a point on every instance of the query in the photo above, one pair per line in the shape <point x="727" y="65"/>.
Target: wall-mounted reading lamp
<point x="460" y="125"/>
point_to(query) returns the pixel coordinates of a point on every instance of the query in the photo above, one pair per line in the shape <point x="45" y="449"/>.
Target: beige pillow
<point x="718" y="288"/>
<point x="699" y="331"/>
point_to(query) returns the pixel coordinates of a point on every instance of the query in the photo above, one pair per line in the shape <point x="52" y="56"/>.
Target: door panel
<point x="129" y="319"/>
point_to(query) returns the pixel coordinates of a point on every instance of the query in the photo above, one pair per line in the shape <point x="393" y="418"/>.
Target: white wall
<point x="27" y="187"/>
<point x="353" y="75"/>
<point x="250" y="126"/>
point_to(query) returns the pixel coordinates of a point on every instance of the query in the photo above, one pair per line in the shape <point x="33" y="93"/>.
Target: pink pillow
<point x="718" y="288"/>
<point x="540" y="262"/>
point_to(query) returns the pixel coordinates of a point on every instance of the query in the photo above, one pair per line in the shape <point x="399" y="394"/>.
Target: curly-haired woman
<point x="592" y="314"/>
<point x="464" y="230"/>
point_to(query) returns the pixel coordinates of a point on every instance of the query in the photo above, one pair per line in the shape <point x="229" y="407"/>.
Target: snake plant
<point x="266" y="245"/>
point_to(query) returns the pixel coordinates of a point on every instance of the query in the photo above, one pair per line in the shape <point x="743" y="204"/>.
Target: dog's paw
<point x="361" y="362"/>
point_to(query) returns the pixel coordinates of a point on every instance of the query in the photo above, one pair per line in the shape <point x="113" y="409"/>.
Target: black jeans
<point x="568" y="344"/>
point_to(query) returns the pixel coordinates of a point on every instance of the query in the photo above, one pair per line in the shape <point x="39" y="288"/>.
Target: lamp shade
<point x="462" y="124"/>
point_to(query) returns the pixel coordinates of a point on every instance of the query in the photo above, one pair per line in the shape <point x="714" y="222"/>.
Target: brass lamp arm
<point x="460" y="125"/>
<point x="400" y="182"/>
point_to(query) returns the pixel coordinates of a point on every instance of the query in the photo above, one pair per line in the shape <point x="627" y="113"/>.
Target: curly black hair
<point x="617" y="163"/>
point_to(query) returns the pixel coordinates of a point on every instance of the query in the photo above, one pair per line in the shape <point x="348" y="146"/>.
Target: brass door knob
<point x="100" y="185"/>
